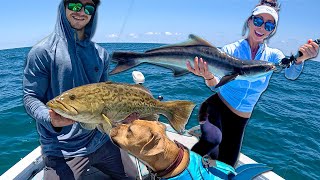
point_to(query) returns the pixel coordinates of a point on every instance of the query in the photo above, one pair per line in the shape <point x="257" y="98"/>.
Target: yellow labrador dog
<point x="147" y="140"/>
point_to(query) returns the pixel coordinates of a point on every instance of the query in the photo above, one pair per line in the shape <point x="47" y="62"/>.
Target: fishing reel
<point x="289" y="60"/>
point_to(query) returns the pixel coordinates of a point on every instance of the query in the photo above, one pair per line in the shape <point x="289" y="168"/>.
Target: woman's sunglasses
<point x="269" y="3"/>
<point x="258" y="21"/>
<point x="76" y="6"/>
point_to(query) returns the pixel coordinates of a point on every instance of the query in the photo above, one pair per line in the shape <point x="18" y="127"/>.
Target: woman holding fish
<point x="224" y="116"/>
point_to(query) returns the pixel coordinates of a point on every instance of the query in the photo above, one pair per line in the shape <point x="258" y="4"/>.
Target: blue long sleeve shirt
<point x="242" y="95"/>
<point x="58" y="63"/>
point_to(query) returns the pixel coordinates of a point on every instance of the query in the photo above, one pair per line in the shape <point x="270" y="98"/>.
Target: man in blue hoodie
<point x="65" y="59"/>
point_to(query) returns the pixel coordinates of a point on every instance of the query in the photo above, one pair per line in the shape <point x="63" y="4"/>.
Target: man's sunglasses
<point x="76" y="6"/>
<point x="258" y="21"/>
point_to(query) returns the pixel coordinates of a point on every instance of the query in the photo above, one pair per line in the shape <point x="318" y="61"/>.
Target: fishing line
<point x="125" y="19"/>
<point x="120" y="33"/>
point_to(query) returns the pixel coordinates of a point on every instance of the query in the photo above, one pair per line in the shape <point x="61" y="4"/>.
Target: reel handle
<point x="316" y="41"/>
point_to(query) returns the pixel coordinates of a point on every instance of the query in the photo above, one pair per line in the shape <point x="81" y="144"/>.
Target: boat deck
<point x="31" y="166"/>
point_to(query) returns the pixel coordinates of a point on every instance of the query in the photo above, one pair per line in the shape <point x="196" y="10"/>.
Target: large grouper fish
<point x="103" y="105"/>
<point x="175" y="56"/>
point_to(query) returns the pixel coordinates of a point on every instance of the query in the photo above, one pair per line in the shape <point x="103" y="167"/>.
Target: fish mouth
<point x="61" y="106"/>
<point x="272" y="68"/>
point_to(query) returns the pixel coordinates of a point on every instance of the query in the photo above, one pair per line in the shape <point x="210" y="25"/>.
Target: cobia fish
<point x="104" y="104"/>
<point x="175" y="56"/>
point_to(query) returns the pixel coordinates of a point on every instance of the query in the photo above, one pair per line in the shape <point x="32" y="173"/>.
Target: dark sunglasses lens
<point x="89" y="9"/>
<point x="270" y="4"/>
<point x="257" y="21"/>
<point x="76" y="7"/>
<point x="269" y="26"/>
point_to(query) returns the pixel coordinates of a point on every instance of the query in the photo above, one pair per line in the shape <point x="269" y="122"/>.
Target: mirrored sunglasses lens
<point x="76" y="7"/>
<point x="257" y="21"/>
<point x="269" y="26"/>
<point x="89" y="9"/>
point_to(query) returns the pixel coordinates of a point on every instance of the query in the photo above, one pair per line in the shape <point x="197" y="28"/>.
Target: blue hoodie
<point x="58" y="63"/>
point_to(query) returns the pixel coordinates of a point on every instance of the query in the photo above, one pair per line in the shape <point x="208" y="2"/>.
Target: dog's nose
<point x="113" y="132"/>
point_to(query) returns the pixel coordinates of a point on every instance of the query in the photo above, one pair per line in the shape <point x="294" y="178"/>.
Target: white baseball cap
<point x="267" y="10"/>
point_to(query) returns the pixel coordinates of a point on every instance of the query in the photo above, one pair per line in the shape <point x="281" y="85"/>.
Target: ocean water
<point x="283" y="131"/>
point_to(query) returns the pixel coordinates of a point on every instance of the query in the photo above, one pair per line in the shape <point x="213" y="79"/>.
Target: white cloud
<point x="133" y="35"/>
<point x="164" y="33"/>
<point x="152" y="33"/>
<point x="149" y="33"/>
<point x="112" y="36"/>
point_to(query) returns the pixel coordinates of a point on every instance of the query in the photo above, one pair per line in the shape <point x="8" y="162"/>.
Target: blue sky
<point x="24" y="23"/>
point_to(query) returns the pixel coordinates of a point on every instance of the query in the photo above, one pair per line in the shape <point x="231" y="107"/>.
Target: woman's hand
<point x="309" y="50"/>
<point x="59" y="121"/>
<point x="201" y="69"/>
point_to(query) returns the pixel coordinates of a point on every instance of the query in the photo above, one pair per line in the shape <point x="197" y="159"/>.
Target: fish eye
<point x="72" y="97"/>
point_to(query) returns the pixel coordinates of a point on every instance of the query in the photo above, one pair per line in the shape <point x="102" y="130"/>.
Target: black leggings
<point x="222" y="131"/>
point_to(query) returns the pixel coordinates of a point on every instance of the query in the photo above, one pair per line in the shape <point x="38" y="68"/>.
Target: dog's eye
<point x="130" y="132"/>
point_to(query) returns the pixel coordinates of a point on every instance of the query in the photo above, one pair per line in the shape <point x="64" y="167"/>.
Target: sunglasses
<point x="76" y="6"/>
<point x="258" y="21"/>
<point x="268" y="3"/>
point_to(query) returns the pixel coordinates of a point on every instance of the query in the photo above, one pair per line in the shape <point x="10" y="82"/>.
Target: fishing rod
<point x="289" y="60"/>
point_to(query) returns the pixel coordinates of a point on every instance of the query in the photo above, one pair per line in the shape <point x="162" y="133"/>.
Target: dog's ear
<point x="154" y="146"/>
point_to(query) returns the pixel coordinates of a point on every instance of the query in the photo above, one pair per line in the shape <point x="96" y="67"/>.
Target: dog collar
<point x="174" y="164"/>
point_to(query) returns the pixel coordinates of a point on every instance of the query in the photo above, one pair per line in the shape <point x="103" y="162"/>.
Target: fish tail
<point x="125" y="60"/>
<point x="178" y="113"/>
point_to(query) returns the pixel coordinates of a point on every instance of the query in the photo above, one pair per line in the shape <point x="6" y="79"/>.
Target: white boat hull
<point x="31" y="166"/>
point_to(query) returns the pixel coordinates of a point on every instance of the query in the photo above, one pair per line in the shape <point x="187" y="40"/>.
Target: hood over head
<point x="64" y="29"/>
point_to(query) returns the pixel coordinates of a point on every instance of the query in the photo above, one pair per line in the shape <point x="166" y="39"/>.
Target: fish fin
<point x="88" y="126"/>
<point x="225" y="79"/>
<point x="178" y="113"/>
<point x="177" y="71"/>
<point x="107" y="120"/>
<point x="125" y="60"/>
<point x="199" y="41"/>
<point x="192" y="41"/>
<point x="140" y="87"/>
